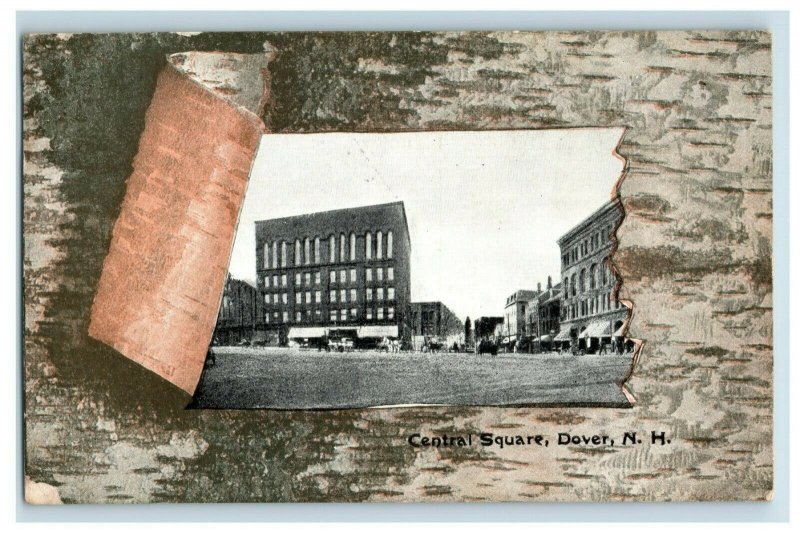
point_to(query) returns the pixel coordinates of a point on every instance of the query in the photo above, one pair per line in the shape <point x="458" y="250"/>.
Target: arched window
<point x="266" y="255"/>
<point x="298" y="253"/>
<point x="307" y="249"/>
<point x="592" y="276"/>
<point x="352" y="246"/>
<point x="283" y="253"/>
<point x="332" y="249"/>
<point x="605" y="274"/>
<point x="274" y="254"/>
<point x="379" y="252"/>
<point x="316" y="250"/>
<point x="389" y="244"/>
<point x="565" y="287"/>
<point x="342" y="248"/>
<point x="368" y="245"/>
<point x="574" y="285"/>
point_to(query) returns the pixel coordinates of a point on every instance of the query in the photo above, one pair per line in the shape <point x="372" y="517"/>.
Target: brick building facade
<point x="435" y="320"/>
<point x="240" y="313"/>
<point x="345" y="271"/>
<point x="589" y="315"/>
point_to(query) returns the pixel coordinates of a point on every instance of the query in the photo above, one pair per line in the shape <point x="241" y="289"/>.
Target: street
<point x="284" y="378"/>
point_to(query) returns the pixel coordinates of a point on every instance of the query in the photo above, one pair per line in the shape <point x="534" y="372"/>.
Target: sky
<point x="485" y="209"/>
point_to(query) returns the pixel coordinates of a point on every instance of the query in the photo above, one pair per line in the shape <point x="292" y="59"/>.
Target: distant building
<point x="514" y="323"/>
<point x="497" y="334"/>
<point x="542" y="317"/>
<point x="589" y="316"/>
<point x="239" y="313"/>
<point x="488" y="328"/>
<point x="434" y="320"/>
<point x="343" y="272"/>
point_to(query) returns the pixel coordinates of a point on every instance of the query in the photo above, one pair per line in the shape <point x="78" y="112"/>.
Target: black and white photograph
<point x="437" y="268"/>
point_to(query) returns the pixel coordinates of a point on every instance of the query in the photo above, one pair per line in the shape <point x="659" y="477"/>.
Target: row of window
<point x="340" y="276"/>
<point x="594" y="277"/>
<point x="335" y="315"/>
<point x="277" y="253"/>
<point x="598" y="304"/>
<point x="370" y="294"/>
<point x="587" y="246"/>
<point x="541" y="327"/>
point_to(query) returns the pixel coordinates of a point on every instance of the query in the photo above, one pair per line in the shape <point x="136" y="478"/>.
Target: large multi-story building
<point x="342" y="272"/>
<point x="514" y="323"/>
<point x="590" y="316"/>
<point x="430" y="320"/>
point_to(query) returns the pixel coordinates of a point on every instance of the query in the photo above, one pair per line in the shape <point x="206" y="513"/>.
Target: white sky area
<point x="484" y="209"/>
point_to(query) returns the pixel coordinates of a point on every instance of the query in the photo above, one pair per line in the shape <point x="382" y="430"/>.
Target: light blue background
<point x="777" y="22"/>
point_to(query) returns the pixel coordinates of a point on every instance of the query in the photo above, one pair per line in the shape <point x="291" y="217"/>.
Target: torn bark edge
<point x="177" y="61"/>
<point x="617" y="200"/>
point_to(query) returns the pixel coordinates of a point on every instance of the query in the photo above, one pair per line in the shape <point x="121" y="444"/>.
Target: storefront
<point x="596" y="337"/>
<point x="362" y="336"/>
<point x="545" y="343"/>
<point x="562" y="340"/>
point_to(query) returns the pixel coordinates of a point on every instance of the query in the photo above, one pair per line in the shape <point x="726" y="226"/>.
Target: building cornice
<point x="588" y="221"/>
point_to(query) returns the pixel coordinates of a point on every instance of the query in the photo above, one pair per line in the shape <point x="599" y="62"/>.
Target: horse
<point x="385" y="345"/>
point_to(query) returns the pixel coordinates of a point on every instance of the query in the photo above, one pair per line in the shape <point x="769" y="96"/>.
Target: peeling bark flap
<point x="161" y="284"/>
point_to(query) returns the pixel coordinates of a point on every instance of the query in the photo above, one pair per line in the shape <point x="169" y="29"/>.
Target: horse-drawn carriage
<point x="433" y="345"/>
<point x="389" y="345"/>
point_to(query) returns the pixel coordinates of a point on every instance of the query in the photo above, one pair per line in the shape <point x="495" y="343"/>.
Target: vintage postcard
<point x="355" y="276"/>
<point x="398" y="266"/>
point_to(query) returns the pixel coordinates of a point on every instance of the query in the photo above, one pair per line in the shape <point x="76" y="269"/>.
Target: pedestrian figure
<point x="211" y="359"/>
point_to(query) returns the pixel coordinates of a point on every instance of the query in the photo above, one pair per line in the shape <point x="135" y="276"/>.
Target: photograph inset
<point x="452" y="268"/>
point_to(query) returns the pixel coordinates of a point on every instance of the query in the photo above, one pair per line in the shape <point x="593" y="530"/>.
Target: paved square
<point x="284" y="378"/>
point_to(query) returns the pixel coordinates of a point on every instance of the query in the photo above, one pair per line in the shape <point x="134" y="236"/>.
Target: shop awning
<point x="563" y="335"/>
<point x="306" y="333"/>
<point x="377" y="331"/>
<point x="620" y="331"/>
<point x="545" y="338"/>
<point x="597" y="329"/>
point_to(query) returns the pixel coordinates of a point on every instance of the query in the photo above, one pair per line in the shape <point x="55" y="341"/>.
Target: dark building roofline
<point x="436" y="302"/>
<point x="239" y="280"/>
<point x="611" y="204"/>
<point x="521" y="295"/>
<point x="398" y="203"/>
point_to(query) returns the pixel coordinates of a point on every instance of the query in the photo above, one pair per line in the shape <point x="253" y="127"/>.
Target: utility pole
<point x="538" y="326"/>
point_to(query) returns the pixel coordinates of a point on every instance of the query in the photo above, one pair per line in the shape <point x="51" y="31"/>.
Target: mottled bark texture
<point x="694" y="254"/>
